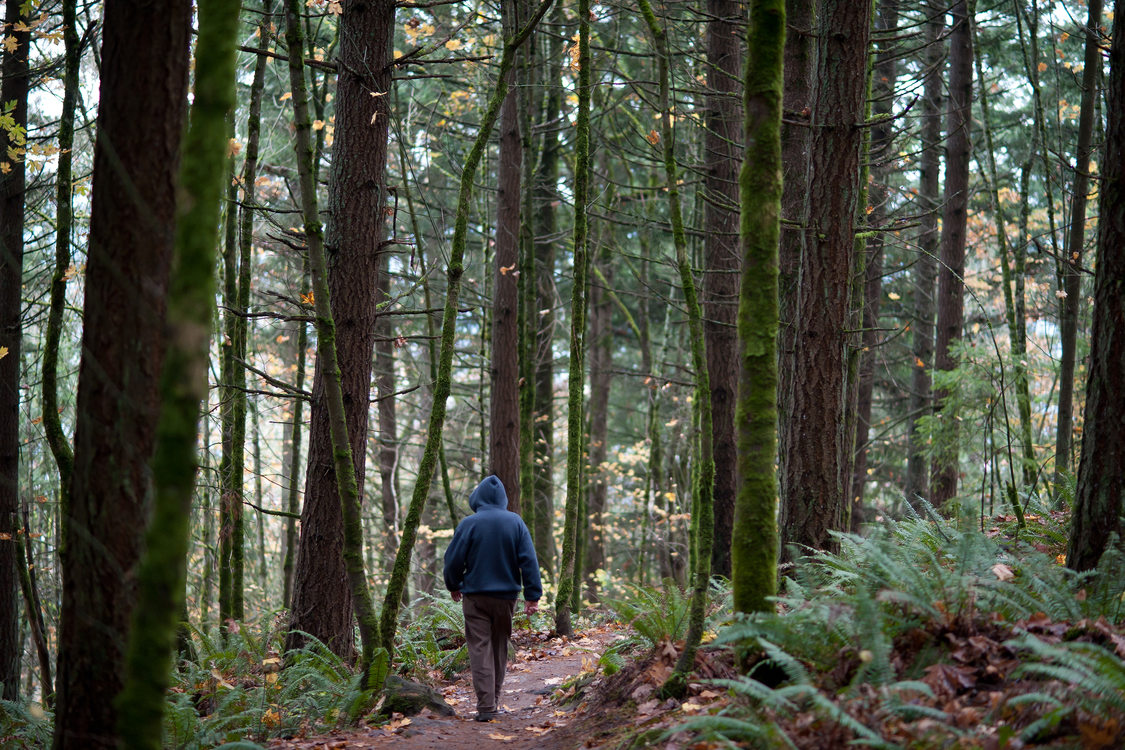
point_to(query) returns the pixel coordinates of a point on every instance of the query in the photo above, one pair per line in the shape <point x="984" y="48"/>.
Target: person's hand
<point x="530" y="608"/>
<point x="456" y="595"/>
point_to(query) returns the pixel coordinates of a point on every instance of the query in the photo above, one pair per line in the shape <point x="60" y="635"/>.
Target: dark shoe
<point x="485" y="716"/>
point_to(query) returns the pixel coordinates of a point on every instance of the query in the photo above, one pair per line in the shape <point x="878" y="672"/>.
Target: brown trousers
<point x="488" y="626"/>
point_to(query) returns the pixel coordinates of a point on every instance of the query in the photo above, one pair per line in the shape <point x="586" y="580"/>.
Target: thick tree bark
<point x="142" y="104"/>
<point x="817" y="450"/>
<point x="183" y="384"/>
<point x="321" y="603"/>
<point x="721" y="153"/>
<point x="925" y="268"/>
<point x="951" y="286"/>
<point x="800" y="57"/>
<point x="504" y="415"/>
<point x="1101" y="472"/>
<point x="754" y="554"/>
<point x="1075" y="236"/>
<point x="12" y="188"/>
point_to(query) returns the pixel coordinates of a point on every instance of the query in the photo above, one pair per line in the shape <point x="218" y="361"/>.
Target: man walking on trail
<point x="490" y="558"/>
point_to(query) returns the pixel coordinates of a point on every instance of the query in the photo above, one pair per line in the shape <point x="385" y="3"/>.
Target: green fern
<point x="656" y="614"/>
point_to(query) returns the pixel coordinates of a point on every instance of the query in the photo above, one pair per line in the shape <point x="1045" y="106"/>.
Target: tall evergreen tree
<point x="13" y="184"/>
<point x="1101" y="473"/>
<point x="954" y="225"/>
<point x="816" y="446"/>
<point x="720" y="282"/>
<point x="357" y="193"/>
<point x="142" y="104"/>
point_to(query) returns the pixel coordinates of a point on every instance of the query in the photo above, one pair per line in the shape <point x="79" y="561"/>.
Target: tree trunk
<point x="1101" y="473"/>
<point x="504" y="416"/>
<point x="321" y="603"/>
<point x="142" y="103"/>
<point x="601" y="377"/>
<point x="1072" y="255"/>
<point x="754" y="555"/>
<point x="546" y="298"/>
<point x="64" y="222"/>
<point x="951" y="287"/>
<point x="721" y="153"/>
<point x="800" y="59"/>
<point x="292" y="491"/>
<point x="817" y="451"/>
<point x="576" y="376"/>
<point x="925" y="268"/>
<point x="880" y="156"/>
<point x="183" y="383"/>
<point x="13" y="181"/>
<point x="386" y="409"/>
<point x="232" y="420"/>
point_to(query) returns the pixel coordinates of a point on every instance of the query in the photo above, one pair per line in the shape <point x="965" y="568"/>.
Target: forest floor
<point x="554" y="699"/>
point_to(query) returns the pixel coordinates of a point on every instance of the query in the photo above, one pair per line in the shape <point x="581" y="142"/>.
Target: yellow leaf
<point x="504" y="737"/>
<point x="653" y="137"/>
<point x="10" y="43"/>
<point x="1042" y="66"/>
<point x="308" y="299"/>
<point x="3" y="352"/>
<point x="286" y="96"/>
<point x="335" y="8"/>
<point x="453" y="44"/>
<point x="5" y="167"/>
<point x="234" y="147"/>
<point x="893" y="296"/>
<point x="318" y="124"/>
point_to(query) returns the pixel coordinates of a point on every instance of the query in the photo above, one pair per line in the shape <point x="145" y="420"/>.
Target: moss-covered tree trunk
<point x="576" y="373"/>
<point x="232" y="421"/>
<point x="183" y="383"/>
<point x="293" y="470"/>
<point x="355" y="232"/>
<point x="704" y="475"/>
<point x="13" y="182"/>
<point x="142" y="104"/>
<point x="1101" y="472"/>
<point x="329" y="369"/>
<point x="754" y="553"/>
<point x="64" y="224"/>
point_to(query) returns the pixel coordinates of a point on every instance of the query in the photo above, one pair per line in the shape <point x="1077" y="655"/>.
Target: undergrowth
<point x="927" y="635"/>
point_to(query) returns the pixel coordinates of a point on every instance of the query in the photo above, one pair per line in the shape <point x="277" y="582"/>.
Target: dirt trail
<point x="530" y="718"/>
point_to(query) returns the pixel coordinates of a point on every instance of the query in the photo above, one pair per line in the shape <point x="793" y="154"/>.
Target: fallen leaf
<point x="1003" y="572"/>
<point x="504" y="737"/>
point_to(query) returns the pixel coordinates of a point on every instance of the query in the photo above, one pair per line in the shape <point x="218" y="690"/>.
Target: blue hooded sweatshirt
<point x="491" y="552"/>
